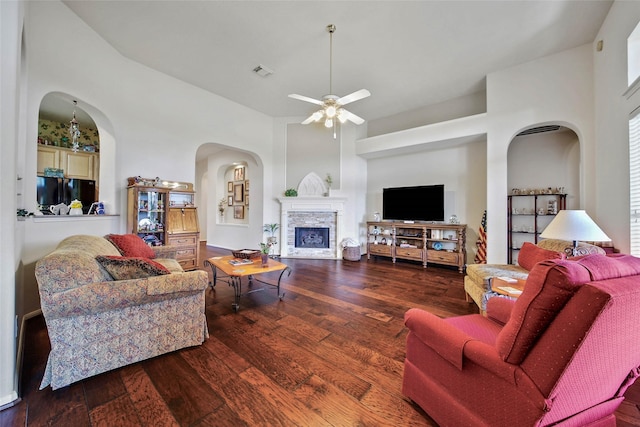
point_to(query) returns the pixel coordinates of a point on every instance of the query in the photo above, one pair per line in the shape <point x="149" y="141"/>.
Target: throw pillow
<point x="531" y="254"/>
<point x="125" y="268"/>
<point x="131" y="245"/>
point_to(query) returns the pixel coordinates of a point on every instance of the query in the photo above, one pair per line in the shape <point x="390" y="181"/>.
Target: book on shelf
<point x="238" y="261"/>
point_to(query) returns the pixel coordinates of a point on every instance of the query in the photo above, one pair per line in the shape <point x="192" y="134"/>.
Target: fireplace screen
<point x="312" y="237"/>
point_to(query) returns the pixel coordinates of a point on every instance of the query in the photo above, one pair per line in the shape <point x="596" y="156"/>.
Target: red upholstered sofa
<point x="562" y="354"/>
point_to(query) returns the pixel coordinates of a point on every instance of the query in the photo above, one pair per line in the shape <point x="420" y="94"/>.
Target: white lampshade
<point x="574" y="225"/>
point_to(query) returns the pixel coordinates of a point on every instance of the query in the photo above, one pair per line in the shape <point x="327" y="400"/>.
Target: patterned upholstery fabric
<point x="566" y="247"/>
<point x="96" y="324"/>
<point x="123" y="268"/>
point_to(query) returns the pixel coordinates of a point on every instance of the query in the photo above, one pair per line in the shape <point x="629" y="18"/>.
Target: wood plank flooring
<point x="329" y="354"/>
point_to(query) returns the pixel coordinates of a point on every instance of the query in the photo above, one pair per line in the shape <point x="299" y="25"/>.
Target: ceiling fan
<point x="332" y="110"/>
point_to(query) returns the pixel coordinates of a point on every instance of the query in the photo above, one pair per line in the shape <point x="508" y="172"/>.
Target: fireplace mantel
<point x="310" y="204"/>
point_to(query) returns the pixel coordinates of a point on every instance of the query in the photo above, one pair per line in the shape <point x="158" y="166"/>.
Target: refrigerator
<point x="53" y="191"/>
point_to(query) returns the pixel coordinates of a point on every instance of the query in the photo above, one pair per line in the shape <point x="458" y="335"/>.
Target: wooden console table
<point x="424" y="242"/>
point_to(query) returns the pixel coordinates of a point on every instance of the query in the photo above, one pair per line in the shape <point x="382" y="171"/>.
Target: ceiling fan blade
<point x="309" y="120"/>
<point x="348" y="115"/>
<point x="306" y="99"/>
<point x="352" y="97"/>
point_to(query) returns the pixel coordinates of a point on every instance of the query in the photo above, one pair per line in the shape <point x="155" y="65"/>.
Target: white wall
<point x="555" y="89"/>
<point x="550" y="159"/>
<point x="461" y="168"/>
<point x="150" y="125"/>
<point x="612" y="108"/>
<point x="11" y="95"/>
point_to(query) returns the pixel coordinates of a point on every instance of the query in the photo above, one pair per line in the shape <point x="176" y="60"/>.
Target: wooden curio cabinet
<point x="160" y="215"/>
<point x="146" y="213"/>
<point x="182" y="228"/>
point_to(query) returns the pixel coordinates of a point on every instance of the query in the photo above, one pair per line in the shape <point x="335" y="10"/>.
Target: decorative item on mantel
<point x="329" y="181"/>
<point x="291" y="192"/>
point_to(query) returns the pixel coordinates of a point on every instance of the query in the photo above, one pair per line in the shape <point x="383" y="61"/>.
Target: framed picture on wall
<point x="238" y="193"/>
<point x="246" y="185"/>
<point x="230" y="187"/>
<point x="238" y="212"/>
<point x="238" y="174"/>
<point x="230" y="200"/>
<point x="246" y="199"/>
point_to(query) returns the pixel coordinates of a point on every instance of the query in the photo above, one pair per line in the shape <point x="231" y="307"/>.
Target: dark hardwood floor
<point x="329" y="354"/>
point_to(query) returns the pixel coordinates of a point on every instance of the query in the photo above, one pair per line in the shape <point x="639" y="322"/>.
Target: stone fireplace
<point x="311" y="227"/>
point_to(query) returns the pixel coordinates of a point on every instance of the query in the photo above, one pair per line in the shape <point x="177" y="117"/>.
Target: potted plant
<point x="222" y="206"/>
<point x="329" y="181"/>
<point x="271" y="229"/>
<point x="265" y="248"/>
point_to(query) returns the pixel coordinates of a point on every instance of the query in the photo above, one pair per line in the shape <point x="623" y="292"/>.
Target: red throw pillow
<point x="125" y="268"/>
<point x="131" y="245"/>
<point x="531" y="254"/>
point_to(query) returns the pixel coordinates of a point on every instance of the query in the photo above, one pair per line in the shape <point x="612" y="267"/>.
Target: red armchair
<point x="562" y="354"/>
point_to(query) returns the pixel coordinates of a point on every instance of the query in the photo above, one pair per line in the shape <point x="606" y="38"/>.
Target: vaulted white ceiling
<point x="407" y="53"/>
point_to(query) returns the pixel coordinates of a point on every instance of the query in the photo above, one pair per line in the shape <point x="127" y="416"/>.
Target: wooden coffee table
<point x="511" y="288"/>
<point x="233" y="274"/>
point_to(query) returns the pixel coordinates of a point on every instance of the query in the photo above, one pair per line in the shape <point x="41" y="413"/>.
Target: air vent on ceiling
<point x="539" y="129"/>
<point x="262" y="71"/>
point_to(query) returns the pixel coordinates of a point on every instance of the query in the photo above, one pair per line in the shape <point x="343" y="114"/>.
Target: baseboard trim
<point x="9" y="400"/>
<point x="20" y="350"/>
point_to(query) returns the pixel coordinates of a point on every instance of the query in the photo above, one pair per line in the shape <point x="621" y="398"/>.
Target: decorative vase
<point x="265" y="260"/>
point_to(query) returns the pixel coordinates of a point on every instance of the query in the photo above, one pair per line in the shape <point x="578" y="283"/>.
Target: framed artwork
<point x="246" y="185"/>
<point x="229" y="187"/>
<point x="238" y="193"/>
<point x="238" y="174"/>
<point x="230" y="200"/>
<point x="238" y="212"/>
<point x="246" y="200"/>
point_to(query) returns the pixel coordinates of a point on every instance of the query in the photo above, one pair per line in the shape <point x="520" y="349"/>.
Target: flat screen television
<point x="419" y="203"/>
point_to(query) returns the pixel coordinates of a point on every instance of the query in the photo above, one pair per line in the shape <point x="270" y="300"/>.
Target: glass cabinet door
<point x="151" y="216"/>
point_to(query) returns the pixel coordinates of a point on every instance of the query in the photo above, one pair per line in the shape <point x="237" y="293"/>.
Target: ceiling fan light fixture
<point x="331" y="105"/>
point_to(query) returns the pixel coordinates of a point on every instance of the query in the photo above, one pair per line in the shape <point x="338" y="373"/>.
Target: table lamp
<point x="574" y="225"/>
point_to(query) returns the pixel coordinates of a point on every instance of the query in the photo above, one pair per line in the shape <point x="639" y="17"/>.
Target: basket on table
<point x="246" y="253"/>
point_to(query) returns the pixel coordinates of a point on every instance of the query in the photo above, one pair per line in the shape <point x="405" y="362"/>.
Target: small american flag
<point x="481" y="243"/>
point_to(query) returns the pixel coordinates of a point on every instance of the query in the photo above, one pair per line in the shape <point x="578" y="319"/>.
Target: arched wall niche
<point x="59" y="107"/>
<point x="546" y="155"/>
<point x="216" y="166"/>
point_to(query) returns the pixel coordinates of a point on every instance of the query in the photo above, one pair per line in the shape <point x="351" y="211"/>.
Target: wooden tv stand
<point x="428" y="243"/>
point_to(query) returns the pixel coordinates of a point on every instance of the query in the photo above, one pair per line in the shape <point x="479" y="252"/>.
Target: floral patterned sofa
<point x="97" y="323"/>
<point x="477" y="282"/>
